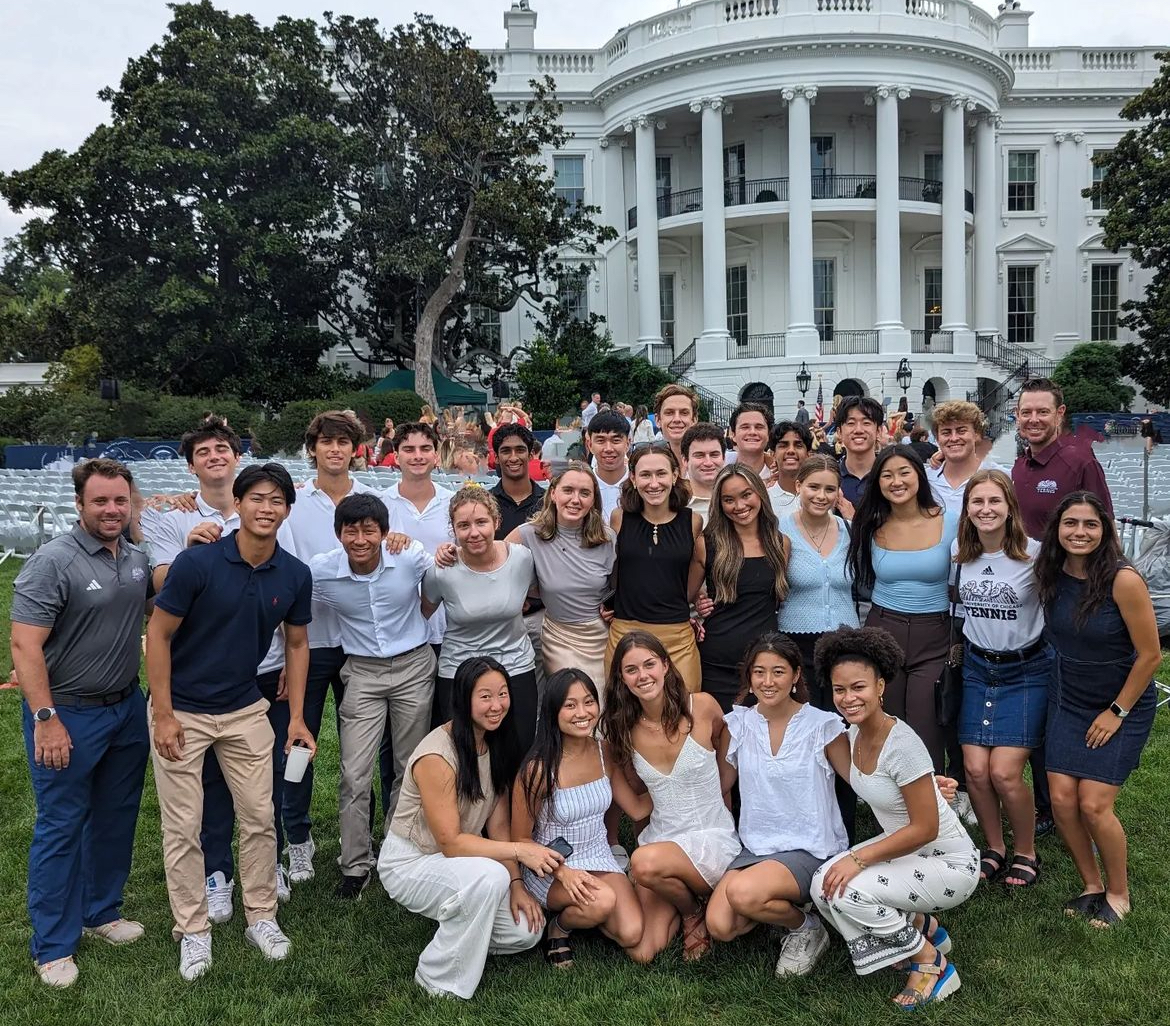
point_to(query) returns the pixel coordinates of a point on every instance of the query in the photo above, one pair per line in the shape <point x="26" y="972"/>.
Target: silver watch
<point x="1117" y="711"/>
<point x="44" y="714"/>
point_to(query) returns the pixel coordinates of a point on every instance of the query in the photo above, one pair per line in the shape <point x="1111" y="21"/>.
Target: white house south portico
<point x="839" y="183"/>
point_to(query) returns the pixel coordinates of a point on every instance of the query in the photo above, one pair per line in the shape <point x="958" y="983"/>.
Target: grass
<point x="1021" y="961"/>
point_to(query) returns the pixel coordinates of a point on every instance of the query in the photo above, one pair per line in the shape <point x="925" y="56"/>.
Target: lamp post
<point x="904" y="375"/>
<point x="803" y="379"/>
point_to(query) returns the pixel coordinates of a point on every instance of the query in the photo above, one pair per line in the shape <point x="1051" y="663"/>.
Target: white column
<point x="888" y="240"/>
<point x="954" y="248"/>
<point x="1072" y="172"/>
<point x="649" y="304"/>
<point x="714" y="228"/>
<point x="802" y="333"/>
<point x="986" y="232"/>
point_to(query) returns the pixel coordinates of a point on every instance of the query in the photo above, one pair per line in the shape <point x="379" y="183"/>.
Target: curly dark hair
<point x="870" y="646"/>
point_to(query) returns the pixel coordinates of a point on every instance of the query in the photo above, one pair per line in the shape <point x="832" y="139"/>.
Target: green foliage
<point x="547" y="383"/>
<point x="34" y="321"/>
<point x="1090" y="376"/>
<point x="78" y="370"/>
<point x="373" y="408"/>
<point x="20" y="408"/>
<point x="1137" y="187"/>
<point x="286" y="433"/>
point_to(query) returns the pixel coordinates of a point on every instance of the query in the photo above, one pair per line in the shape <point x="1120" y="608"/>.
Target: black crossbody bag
<point x="948" y="689"/>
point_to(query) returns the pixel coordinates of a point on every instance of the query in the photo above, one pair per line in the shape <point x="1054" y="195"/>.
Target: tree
<point x="192" y="224"/>
<point x="1090" y="377"/>
<point x="34" y="321"/>
<point x="448" y="203"/>
<point x="78" y="371"/>
<point x="1137" y="188"/>
<point x="547" y="384"/>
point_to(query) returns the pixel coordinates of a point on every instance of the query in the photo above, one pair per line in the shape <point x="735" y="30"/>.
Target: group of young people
<point x="728" y="648"/>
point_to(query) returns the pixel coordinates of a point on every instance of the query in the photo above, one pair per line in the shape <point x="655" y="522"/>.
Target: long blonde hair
<point x="726" y="559"/>
<point x="593" y="531"/>
<point x="1015" y="540"/>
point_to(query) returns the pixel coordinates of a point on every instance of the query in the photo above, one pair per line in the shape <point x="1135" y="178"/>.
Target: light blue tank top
<point x="915" y="582"/>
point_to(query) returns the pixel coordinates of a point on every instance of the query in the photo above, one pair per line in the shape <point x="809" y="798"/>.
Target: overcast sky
<point x="57" y="54"/>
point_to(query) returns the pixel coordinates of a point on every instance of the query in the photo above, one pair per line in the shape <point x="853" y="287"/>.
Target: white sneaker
<point x="283" y="887"/>
<point x="60" y="972"/>
<point x="269" y="938"/>
<point x="120" y="931"/>
<point x="802" y="948"/>
<point x="300" y="861"/>
<point x="961" y="804"/>
<point x="194" y="955"/>
<point x="621" y="856"/>
<point x="219" y="897"/>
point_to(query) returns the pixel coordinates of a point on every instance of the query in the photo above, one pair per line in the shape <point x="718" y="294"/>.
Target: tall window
<point x="485" y="323"/>
<point x="824" y="296"/>
<point x="1021" y="304"/>
<point x="569" y="179"/>
<point x="572" y="296"/>
<point x="932" y="300"/>
<point x="662" y="182"/>
<point x="734" y="175"/>
<point x="737" y="304"/>
<point x="1103" y="302"/>
<point x="824" y="165"/>
<point x="1099" y="193"/>
<point x="666" y="307"/>
<point x="932" y="167"/>
<point x="1021" y="186"/>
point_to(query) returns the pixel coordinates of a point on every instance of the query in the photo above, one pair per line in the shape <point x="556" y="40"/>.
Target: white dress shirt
<point x="431" y="527"/>
<point x="611" y="495"/>
<point x="949" y="496"/>
<point x="378" y="613"/>
<point x="166" y="533"/>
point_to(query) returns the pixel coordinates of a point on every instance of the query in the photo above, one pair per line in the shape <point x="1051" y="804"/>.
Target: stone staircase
<point x="718" y="408"/>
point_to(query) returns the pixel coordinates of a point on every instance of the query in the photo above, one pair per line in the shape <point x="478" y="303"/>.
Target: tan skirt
<point x="677" y="638"/>
<point x="577" y="646"/>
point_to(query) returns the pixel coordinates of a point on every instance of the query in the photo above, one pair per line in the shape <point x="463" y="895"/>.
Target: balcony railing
<point x="850" y="342"/>
<point x="825" y="187"/>
<point x="923" y="341"/>
<point x="1024" y="363"/>
<point x="755" y="347"/>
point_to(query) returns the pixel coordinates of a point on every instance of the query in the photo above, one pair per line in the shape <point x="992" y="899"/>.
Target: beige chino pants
<point x="402" y="689"/>
<point x="242" y="741"/>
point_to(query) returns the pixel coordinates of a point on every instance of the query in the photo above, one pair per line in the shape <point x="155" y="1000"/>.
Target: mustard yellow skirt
<point x="577" y="646"/>
<point x="677" y="638"/>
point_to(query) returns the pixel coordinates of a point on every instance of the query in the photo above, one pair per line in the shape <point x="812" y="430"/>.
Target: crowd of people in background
<point x="714" y="641"/>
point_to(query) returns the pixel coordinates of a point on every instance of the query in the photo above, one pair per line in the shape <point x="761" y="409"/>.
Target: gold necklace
<point x="817" y="542"/>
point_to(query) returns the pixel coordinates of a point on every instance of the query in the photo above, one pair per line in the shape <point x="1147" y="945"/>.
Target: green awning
<point x="448" y="392"/>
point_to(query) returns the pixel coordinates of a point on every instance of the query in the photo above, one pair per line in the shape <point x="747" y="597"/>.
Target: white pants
<point x="875" y="915"/>
<point x="468" y="897"/>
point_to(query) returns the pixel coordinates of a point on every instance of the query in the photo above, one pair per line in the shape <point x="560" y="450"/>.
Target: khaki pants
<point x="401" y="688"/>
<point x="242" y="741"/>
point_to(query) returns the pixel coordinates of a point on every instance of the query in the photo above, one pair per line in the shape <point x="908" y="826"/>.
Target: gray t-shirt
<point x="573" y="579"/>
<point x="94" y="605"/>
<point x="484" y="612"/>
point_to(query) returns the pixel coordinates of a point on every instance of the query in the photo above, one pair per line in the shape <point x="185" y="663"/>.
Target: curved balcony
<point x="745" y="192"/>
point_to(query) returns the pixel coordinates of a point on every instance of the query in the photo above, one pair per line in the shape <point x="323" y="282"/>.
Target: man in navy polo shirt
<point x="201" y="658"/>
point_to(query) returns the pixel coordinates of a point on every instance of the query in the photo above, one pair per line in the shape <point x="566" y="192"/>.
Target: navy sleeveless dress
<point x="1092" y="663"/>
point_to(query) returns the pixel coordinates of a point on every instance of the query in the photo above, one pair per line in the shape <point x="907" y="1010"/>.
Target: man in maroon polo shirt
<point x="1055" y="463"/>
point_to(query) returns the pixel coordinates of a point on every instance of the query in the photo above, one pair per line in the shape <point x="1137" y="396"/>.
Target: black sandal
<point x="1024" y="868"/>
<point x="558" y="952"/>
<point x="1106" y="916"/>
<point x="989" y="857"/>
<point x="1084" y="904"/>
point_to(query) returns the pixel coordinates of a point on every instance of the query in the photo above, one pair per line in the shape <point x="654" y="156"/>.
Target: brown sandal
<point x="696" y="939"/>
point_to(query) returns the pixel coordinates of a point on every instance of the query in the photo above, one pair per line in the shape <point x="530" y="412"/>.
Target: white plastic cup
<point x="296" y="763"/>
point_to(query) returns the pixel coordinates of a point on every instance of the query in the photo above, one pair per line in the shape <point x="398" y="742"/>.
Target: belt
<point x="91" y="701"/>
<point x="1021" y="656"/>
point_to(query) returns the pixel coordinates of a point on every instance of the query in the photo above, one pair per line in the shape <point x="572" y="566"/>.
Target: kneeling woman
<point x="672" y="742"/>
<point x="785" y="751"/>
<point x="882" y="894"/>
<point x="434" y="860"/>
<point x="565" y="787"/>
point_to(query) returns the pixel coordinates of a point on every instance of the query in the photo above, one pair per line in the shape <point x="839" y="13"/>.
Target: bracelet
<point x="517" y="879"/>
<point x="860" y="864"/>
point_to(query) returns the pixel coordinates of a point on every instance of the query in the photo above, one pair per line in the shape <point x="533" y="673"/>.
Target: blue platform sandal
<point x="941" y="981"/>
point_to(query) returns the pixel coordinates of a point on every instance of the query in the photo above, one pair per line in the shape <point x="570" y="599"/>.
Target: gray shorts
<point x="800" y="864"/>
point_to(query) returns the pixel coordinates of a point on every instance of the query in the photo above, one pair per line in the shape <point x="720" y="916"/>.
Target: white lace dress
<point x="689" y="810"/>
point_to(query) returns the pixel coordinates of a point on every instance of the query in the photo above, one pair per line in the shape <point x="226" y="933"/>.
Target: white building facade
<point x="842" y="187"/>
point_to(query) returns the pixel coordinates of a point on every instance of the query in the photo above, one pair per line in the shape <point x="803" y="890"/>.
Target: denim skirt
<point x="1005" y="704"/>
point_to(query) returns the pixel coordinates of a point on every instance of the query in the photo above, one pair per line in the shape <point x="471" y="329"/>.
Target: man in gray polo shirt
<point x="76" y="626"/>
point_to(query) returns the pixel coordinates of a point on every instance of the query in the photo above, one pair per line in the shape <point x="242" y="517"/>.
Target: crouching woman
<point x="434" y="861"/>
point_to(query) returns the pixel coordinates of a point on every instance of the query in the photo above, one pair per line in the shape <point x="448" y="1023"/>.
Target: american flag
<point x="819" y="411"/>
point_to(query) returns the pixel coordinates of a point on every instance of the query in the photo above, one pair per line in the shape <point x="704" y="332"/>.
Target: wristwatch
<point x="1117" y="711"/>
<point x="45" y="714"/>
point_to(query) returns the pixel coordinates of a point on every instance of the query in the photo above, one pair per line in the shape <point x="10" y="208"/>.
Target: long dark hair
<point x="1101" y="565"/>
<point x="622" y="709"/>
<point x="542" y="764"/>
<point x="781" y="646"/>
<point x="725" y="548"/>
<point x="503" y="743"/>
<point x="874" y="510"/>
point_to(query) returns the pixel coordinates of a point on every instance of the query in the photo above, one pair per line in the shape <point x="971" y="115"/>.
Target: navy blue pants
<point x="219" y="813"/>
<point x="83" y="838"/>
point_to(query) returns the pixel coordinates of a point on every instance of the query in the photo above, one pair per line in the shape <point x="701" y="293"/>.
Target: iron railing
<point x="925" y="341"/>
<point x="684" y="361"/>
<point x="756" y="347"/>
<point x="843" y="187"/>
<point x="850" y="342"/>
<point x="994" y="348"/>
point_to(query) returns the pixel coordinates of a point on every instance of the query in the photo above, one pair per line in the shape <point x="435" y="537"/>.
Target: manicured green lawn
<point x="1021" y="961"/>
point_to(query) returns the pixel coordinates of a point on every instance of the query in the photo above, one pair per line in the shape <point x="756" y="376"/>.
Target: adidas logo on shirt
<point x="94" y="586"/>
<point x="988" y="572"/>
